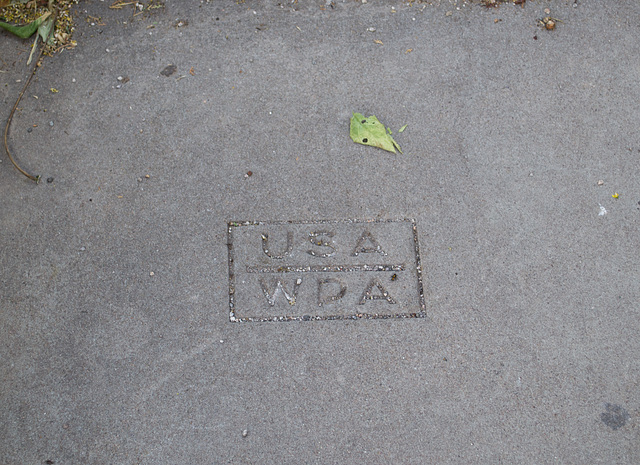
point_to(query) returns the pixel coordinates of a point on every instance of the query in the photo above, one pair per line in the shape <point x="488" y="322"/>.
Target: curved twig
<point x="13" y="110"/>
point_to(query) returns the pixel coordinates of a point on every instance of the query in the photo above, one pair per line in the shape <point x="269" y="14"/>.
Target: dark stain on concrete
<point x="615" y="416"/>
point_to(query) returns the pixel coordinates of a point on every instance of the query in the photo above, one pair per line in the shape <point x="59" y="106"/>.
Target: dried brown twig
<point x="15" y="106"/>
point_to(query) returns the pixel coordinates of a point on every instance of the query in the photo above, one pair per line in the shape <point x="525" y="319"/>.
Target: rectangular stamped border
<point x="356" y="316"/>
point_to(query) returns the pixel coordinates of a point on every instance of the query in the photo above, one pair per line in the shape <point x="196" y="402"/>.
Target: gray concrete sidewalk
<point x="217" y="273"/>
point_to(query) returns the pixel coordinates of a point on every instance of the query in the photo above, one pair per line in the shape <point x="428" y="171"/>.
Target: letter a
<point x="280" y="288"/>
<point x="360" y="248"/>
<point x="366" y="295"/>
<point x="265" y="246"/>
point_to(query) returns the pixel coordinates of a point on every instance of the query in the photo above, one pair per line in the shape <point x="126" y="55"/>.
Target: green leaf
<point x="403" y="128"/>
<point x="28" y="29"/>
<point x="45" y="30"/>
<point x="370" y="131"/>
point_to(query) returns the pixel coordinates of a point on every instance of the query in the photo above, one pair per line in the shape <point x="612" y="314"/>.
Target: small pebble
<point x="245" y="433"/>
<point x="50" y="123"/>
<point x="30" y="129"/>
<point x="371" y="29"/>
<point x="120" y="78"/>
<point x="151" y="273"/>
<point x="83" y="248"/>
<point x="147" y="176"/>
<point x="49" y="180"/>
<point x="600" y="183"/>
<point x="139" y="179"/>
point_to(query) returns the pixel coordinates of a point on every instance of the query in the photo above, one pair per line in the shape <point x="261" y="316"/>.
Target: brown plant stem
<point x="13" y="110"/>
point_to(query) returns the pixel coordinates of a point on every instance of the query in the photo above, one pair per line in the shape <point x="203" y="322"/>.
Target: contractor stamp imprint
<point x="324" y="270"/>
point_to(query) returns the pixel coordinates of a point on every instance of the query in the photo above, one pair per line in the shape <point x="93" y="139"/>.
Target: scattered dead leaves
<point x="139" y="7"/>
<point x="24" y="13"/>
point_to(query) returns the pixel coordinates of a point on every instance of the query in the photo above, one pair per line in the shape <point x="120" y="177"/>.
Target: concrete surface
<point x="116" y="342"/>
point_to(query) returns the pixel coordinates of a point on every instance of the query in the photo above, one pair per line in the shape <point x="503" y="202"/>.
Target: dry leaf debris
<point x="25" y="13"/>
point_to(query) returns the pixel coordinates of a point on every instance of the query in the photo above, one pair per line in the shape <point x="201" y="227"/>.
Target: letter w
<point x="280" y="288"/>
